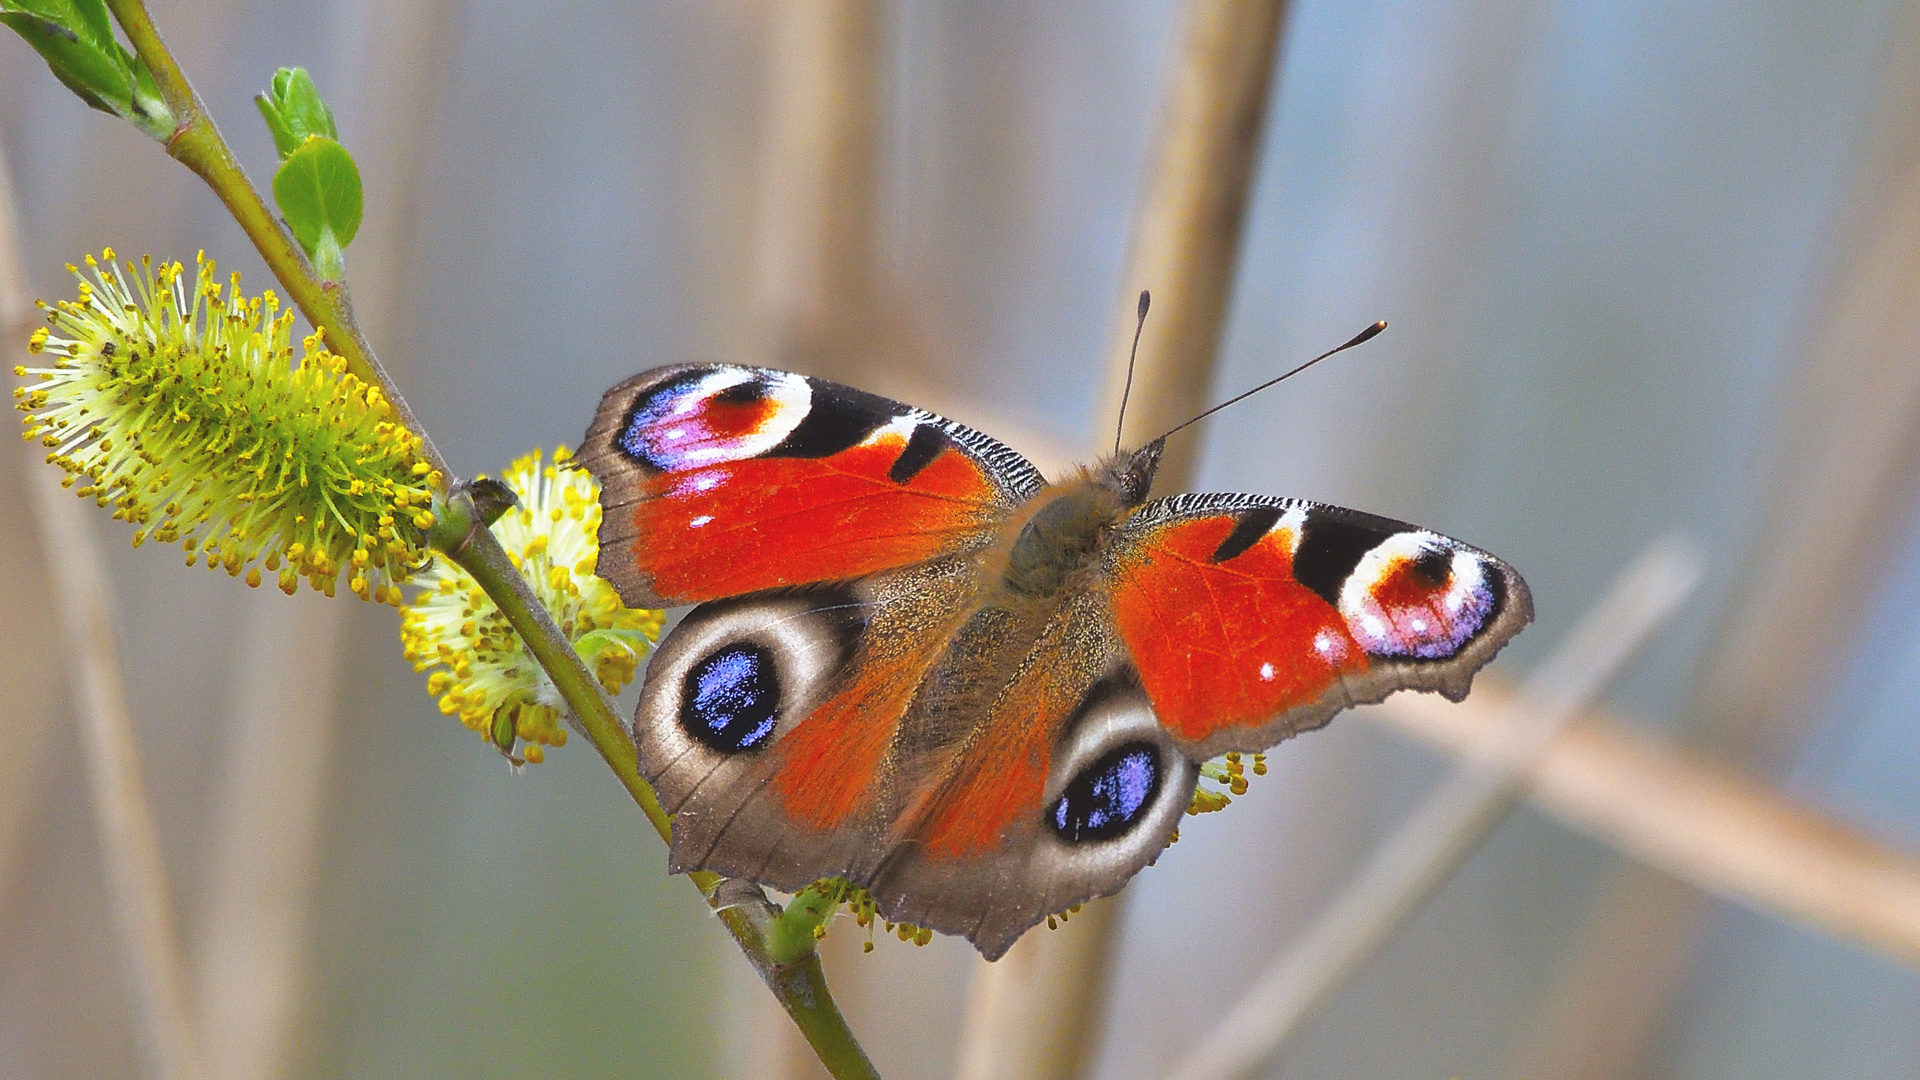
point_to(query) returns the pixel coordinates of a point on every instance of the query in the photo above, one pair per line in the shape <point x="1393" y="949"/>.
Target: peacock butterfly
<point x="919" y="665"/>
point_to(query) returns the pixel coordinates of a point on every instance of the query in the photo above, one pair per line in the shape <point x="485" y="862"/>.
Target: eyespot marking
<point x="1109" y="797"/>
<point x="711" y="416"/>
<point x="1417" y="596"/>
<point x="730" y="701"/>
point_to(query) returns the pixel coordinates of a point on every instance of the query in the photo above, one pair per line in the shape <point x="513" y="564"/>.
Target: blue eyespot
<point x="1110" y="796"/>
<point x="731" y="700"/>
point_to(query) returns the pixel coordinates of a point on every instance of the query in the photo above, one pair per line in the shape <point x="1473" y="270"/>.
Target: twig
<point x="1439" y="837"/>
<point x="1032" y="1014"/>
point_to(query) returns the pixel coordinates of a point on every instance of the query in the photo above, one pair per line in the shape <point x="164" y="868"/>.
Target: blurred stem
<point x="137" y="893"/>
<point x="743" y="908"/>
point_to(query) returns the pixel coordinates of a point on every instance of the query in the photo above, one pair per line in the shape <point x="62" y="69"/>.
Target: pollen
<point x="1229" y="772"/>
<point x="859" y="903"/>
<point x="178" y="403"/>
<point x="480" y="670"/>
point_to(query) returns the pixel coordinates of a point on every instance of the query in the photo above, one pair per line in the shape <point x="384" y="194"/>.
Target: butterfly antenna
<point x="1140" y="323"/>
<point x="1360" y="338"/>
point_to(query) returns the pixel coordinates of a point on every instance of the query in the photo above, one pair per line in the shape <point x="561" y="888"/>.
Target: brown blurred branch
<point x="25" y="635"/>
<point x="818" y="217"/>
<point x="129" y="839"/>
<point x="1186" y="241"/>
<point x="1712" y="827"/>
<point x="1033" y="1014"/>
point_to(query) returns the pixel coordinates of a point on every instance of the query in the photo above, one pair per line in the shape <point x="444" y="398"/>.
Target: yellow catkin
<point x="178" y="402"/>
<point x="481" y="672"/>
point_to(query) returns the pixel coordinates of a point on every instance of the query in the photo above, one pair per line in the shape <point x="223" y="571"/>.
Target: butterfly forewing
<point x="719" y="480"/>
<point x="1253" y="618"/>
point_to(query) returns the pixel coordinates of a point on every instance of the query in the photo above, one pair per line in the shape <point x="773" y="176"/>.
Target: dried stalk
<point x="1033" y="1013"/>
<point x="255" y="921"/>
<point x="137" y="882"/>
<point x="1186" y="241"/>
<point x="818" y="267"/>
<point x="1712" y="827"/>
<point x="1439" y="837"/>
<point x="23" y="639"/>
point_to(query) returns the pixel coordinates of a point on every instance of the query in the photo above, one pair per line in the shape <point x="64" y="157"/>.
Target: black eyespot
<point x="1108" y="797"/>
<point x="731" y="700"/>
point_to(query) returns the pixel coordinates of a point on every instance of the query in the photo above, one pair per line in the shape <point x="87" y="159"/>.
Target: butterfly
<point x="917" y="664"/>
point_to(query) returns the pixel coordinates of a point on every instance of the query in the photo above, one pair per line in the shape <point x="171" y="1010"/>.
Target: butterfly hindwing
<point x="766" y="721"/>
<point x="1253" y="618"/>
<point x="1061" y="788"/>
<point x="718" y="480"/>
<point x="975" y="769"/>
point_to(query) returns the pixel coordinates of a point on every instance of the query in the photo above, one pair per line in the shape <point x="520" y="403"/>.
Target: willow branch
<point x="197" y="143"/>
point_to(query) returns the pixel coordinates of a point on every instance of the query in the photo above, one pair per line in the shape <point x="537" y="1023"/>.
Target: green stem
<point x="798" y="983"/>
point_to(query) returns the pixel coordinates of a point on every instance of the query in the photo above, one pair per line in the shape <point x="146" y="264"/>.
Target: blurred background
<point x="1649" y="266"/>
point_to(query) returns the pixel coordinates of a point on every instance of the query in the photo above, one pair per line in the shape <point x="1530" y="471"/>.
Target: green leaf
<point x="294" y="110"/>
<point x="102" y="77"/>
<point x="87" y="19"/>
<point x="75" y="38"/>
<point x="318" y="189"/>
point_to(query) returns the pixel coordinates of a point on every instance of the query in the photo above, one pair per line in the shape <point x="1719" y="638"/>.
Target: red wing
<point x="719" y="480"/>
<point x="1251" y="619"/>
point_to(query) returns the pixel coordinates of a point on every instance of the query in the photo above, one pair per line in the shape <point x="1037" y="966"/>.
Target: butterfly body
<point x="918" y="665"/>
